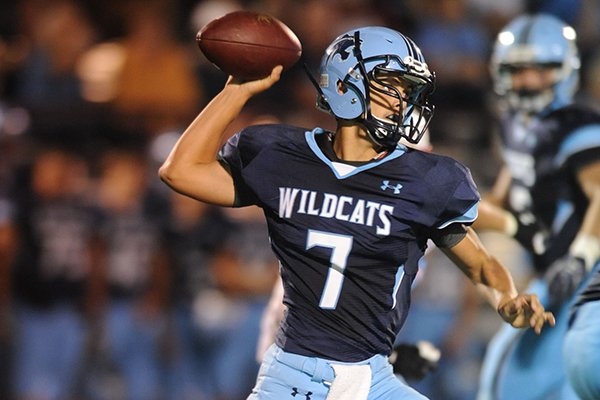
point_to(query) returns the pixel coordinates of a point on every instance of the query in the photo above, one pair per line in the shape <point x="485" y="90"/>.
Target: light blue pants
<point x="283" y="375"/>
<point x="522" y="365"/>
<point x="581" y="351"/>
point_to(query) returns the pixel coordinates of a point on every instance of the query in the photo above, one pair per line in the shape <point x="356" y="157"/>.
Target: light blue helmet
<point x="536" y="40"/>
<point x="356" y="59"/>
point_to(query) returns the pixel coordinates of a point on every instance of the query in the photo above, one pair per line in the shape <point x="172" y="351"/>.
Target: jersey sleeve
<point x="455" y="195"/>
<point x="579" y="148"/>
<point x="232" y="157"/>
<point x="449" y="236"/>
<point x="237" y="155"/>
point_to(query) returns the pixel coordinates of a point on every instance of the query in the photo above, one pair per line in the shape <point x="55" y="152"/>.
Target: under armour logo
<point x="386" y="185"/>
<point x="295" y="392"/>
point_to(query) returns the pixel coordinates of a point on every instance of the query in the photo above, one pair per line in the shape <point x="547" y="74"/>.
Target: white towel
<point x="352" y="382"/>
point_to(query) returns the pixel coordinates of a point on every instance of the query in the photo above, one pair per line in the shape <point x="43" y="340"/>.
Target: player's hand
<point x="564" y="277"/>
<point x="526" y="311"/>
<point x="415" y="361"/>
<point x="530" y="233"/>
<point x="254" y="87"/>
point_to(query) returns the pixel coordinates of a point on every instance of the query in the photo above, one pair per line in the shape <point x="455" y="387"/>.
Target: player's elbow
<point x="168" y="173"/>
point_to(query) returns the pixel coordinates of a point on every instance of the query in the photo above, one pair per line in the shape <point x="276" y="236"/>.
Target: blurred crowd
<point x="113" y="287"/>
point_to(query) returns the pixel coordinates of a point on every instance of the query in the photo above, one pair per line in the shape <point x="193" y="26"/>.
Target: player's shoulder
<point x="266" y="134"/>
<point x="575" y="115"/>
<point x="446" y="186"/>
<point x="437" y="166"/>
<point x="258" y="139"/>
<point x="446" y="177"/>
<point x="578" y="136"/>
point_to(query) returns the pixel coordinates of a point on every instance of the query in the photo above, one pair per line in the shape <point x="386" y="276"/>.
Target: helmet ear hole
<point x="342" y="88"/>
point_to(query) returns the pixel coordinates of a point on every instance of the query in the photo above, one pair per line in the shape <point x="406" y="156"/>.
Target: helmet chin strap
<point x="381" y="133"/>
<point x="321" y="103"/>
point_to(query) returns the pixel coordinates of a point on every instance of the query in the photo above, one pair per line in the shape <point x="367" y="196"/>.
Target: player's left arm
<point x="494" y="281"/>
<point x="567" y="273"/>
<point x="587" y="241"/>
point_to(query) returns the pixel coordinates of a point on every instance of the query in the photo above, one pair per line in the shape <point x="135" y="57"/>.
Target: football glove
<point x="564" y="277"/>
<point x="415" y="361"/>
<point x="530" y="233"/>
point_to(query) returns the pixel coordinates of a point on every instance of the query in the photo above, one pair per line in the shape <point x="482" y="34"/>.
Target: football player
<point x="581" y="351"/>
<point x="349" y="215"/>
<point x="551" y="189"/>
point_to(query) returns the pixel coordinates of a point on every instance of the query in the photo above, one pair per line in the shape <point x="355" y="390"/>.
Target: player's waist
<point x="320" y="368"/>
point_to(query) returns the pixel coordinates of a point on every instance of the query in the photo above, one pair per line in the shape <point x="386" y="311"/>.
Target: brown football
<point x="248" y="44"/>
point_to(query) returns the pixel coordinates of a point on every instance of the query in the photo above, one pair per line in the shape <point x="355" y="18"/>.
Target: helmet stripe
<point x="409" y="45"/>
<point x="525" y="34"/>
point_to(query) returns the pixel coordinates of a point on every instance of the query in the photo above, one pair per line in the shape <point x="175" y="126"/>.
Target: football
<point x="248" y="44"/>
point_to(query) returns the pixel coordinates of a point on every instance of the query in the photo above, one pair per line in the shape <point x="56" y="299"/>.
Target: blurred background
<point x="114" y="287"/>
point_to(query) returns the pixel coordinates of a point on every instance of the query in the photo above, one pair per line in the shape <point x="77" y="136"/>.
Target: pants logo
<point x="296" y="392"/>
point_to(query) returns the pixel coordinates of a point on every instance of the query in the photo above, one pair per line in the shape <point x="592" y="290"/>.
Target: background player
<point x="349" y="213"/>
<point x="551" y="149"/>
<point x="581" y="350"/>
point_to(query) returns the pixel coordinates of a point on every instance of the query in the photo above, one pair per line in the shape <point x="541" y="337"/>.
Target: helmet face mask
<point x="373" y="62"/>
<point x="412" y="117"/>
<point x="531" y="86"/>
<point x="540" y="42"/>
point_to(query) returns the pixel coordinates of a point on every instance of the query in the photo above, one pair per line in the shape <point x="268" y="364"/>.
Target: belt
<point x="318" y="369"/>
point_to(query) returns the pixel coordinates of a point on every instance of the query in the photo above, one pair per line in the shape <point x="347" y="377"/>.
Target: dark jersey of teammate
<point x="348" y="237"/>
<point x="191" y="247"/>
<point x="544" y="159"/>
<point x="132" y="239"/>
<point x="52" y="265"/>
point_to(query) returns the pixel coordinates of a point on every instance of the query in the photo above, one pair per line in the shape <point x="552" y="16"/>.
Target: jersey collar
<point x="344" y="170"/>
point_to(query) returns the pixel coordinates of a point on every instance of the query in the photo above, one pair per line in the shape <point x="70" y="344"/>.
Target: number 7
<point x="341" y="245"/>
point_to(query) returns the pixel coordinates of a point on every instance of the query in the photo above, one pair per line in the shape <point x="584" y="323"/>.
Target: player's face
<point x="533" y="78"/>
<point x="387" y="100"/>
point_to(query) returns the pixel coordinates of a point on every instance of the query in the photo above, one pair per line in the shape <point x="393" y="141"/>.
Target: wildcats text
<point x="343" y="208"/>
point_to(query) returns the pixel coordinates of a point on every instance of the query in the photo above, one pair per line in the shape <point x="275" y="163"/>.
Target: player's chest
<point x="370" y="202"/>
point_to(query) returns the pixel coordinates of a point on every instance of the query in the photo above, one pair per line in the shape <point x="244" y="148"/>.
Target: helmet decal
<point x="341" y="47"/>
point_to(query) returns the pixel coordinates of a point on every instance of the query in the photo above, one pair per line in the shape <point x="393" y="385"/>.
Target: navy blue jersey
<point x="348" y="238"/>
<point x="53" y="261"/>
<point x="544" y="158"/>
<point x="132" y="240"/>
<point x="191" y="246"/>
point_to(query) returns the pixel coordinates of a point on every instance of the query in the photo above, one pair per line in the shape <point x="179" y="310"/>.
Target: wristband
<point x="428" y="351"/>
<point x="586" y="247"/>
